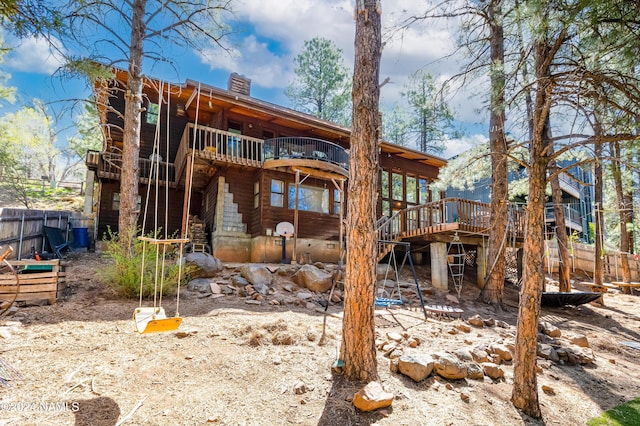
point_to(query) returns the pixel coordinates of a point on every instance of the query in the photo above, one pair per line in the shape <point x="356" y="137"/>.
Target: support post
<point x="439" y="265"/>
<point x="294" y="257"/>
<point x="185" y="205"/>
<point x="481" y="264"/>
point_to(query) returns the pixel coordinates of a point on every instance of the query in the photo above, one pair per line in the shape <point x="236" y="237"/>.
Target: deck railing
<point x="306" y="149"/>
<point x="218" y="145"/>
<point x="110" y="165"/>
<point x="471" y="216"/>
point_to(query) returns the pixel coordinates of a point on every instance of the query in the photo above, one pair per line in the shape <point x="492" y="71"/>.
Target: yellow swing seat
<point x="154" y="320"/>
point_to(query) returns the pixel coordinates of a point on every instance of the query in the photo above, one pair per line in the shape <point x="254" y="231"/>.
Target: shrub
<point x="123" y="275"/>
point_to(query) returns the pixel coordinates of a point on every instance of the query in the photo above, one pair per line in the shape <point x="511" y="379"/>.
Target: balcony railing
<point x="218" y="145"/>
<point x="572" y="217"/>
<point x="305" y="149"/>
<point x="110" y="164"/>
<point x="569" y="185"/>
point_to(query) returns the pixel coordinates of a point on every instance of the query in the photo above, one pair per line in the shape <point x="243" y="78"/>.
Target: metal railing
<point x="572" y="217"/>
<point x="306" y="149"/>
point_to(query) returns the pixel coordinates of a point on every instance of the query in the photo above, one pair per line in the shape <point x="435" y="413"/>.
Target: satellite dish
<point x="285" y="229"/>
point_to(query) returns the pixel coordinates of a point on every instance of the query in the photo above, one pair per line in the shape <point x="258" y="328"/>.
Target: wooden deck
<point x="441" y="220"/>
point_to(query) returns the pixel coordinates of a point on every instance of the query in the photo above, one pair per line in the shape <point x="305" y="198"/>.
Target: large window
<point x="397" y="190"/>
<point x="310" y="198"/>
<point x="423" y="191"/>
<point x="385" y="184"/>
<point x="277" y="193"/>
<point x="412" y="190"/>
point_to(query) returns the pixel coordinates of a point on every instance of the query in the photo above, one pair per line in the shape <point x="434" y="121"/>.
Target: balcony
<point x="109" y="165"/>
<point x="569" y="185"/>
<point x="572" y="217"/>
<point x="306" y="153"/>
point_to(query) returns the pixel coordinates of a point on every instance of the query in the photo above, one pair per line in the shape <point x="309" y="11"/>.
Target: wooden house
<point x="235" y="162"/>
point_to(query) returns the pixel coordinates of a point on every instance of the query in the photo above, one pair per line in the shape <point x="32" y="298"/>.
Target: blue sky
<point x="269" y="34"/>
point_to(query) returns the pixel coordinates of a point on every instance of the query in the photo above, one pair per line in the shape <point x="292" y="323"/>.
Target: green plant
<point x="124" y="274"/>
<point x="626" y="414"/>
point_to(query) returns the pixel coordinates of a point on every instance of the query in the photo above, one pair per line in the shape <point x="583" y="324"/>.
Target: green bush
<point x="123" y="275"/>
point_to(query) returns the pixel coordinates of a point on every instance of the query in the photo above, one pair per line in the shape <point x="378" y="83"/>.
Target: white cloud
<point x="36" y="56"/>
<point x="457" y="146"/>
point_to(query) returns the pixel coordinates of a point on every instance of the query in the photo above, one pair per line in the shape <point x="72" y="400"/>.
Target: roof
<point x="213" y="99"/>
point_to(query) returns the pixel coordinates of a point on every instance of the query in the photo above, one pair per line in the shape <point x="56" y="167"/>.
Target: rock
<point x="446" y="365"/>
<point x="475" y="371"/>
<point x="449" y="386"/>
<point x="201" y="285"/>
<point x="464" y="397"/>
<point x="396" y="337"/>
<point x="319" y="265"/>
<point x="215" y="288"/>
<point x="305" y="295"/>
<point x="453" y="331"/>
<point x="492" y="370"/>
<point x="464" y="355"/>
<point x="253" y="302"/>
<point x="580" y="340"/>
<point x="489" y="322"/>
<point x="548" y="390"/>
<point x="479" y="355"/>
<point x="502" y="351"/>
<point x="413" y="343"/>
<point x="203" y="265"/>
<point x="463" y="327"/>
<point x="396" y="353"/>
<point x="372" y="397"/>
<point x="549" y="329"/>
<point x="547" y="352"/>
<point x="310" y="305"/>
<point x="314" y="279"/>
<point x="393" y="365"/>
<point x="257" y="275"/>
<point x="300" y="388"/>
<point x="502" y="324"/>
<point x="417" y="367"/>
<point x="451" y="298"/>
<point x="476" y="321"/>
<point x="579" y="355"/>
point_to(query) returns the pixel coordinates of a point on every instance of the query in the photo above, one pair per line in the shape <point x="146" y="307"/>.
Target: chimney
<point x="239" y="84"/>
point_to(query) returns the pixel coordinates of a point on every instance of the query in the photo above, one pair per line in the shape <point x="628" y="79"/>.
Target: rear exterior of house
<point x="234" y="163"/>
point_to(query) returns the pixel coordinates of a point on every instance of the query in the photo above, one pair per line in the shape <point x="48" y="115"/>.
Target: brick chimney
<point x="239" y="84"/>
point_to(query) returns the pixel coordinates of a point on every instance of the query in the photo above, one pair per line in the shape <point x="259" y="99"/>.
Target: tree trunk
<point x="130" y="171"/>
<point x="525" y="388"/>
<point x="358" y="329"/>
<point x="564" y="267"/>
<point x="493" y="290"/>
<point x="625" y="213"/>
<point x="598" y="268"/>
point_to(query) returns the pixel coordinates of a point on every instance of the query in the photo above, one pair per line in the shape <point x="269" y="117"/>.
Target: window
<point x="386" y="208"/>
<point x="234" y="146"/>
<point x="423" y="191"/>
<point x="336" y="201"/>
<point x="256" y="195"/>
<point x="277" y="193"/>
<point x="412" y="191"/>
<point x="397" y="186"/>
<point x="310" y="198"/>
<point x="152" y="113"/>
<point x="385" y="184"/>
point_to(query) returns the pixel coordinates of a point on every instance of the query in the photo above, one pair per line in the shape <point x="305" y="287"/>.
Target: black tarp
<point x="556" y="298"/>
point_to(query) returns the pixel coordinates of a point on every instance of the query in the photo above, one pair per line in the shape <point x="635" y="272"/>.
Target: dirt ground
<point x="233" y="363"/>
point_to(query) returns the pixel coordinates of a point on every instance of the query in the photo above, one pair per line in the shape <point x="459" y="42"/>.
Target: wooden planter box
<point x="39" y="280"/>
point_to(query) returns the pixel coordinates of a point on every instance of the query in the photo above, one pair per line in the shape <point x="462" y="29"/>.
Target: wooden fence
<point x="583" y="261"/>
<point x="22" y="229"/>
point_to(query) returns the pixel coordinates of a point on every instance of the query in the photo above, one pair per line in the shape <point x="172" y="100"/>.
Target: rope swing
<point x="153" y="319"/>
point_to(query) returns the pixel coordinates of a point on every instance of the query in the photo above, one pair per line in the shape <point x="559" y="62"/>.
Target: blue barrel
<point x="81" y="237"/>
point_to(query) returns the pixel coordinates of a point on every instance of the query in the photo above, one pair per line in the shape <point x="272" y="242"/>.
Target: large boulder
<point x="203" y="265"/>
<point x="258" y="276"/>
<point x="372" y="397"/>
<point x="417" y="367"/>
<point x="312" y="278"/>
<point x="448" y="366"/>
<point x="201" y="285"/>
